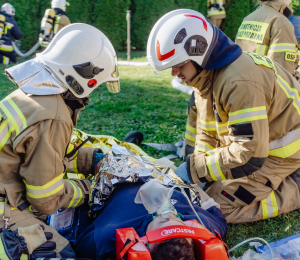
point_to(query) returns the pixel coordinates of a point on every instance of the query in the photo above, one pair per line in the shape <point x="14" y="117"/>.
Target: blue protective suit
<point x="98" y="241"/>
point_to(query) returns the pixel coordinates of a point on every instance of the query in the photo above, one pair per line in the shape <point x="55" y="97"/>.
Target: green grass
<point x="149" y="104"/>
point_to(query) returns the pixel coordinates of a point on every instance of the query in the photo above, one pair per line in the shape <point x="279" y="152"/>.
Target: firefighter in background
<point x="11" y="32"/>
<point x="216" y="11"/>
<point x="247" y="117"/>
<point x="36" y="124"/>
<point x="268" y="31"/>
<point x="53" y="21"/>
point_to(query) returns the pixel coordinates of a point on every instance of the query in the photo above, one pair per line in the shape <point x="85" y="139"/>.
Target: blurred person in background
<point x="11" y="32"/>
<point x="216" y="12"/>
<point x="268" y="31"/>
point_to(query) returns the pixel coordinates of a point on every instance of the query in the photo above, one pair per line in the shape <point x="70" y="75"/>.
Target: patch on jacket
<point x="228" y="196"/>
<point x="287" y="12"/>
<point x="253" y="165"/>
<point x="290" y="56"/>
<point x="242" y="129"/>
<point x="244" y="195"/>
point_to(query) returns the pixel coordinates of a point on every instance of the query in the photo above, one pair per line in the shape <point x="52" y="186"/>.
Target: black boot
<point x="134" y="137"/>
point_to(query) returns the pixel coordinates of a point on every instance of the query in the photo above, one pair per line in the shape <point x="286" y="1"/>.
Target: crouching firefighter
<point x="10" y="32"/>
<point x="247" y="117"/>
<point x="36" y="126"/>
<point x="53" y="21"/>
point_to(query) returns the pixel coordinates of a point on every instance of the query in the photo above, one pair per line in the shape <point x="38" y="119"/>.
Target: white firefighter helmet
<point x="79" y="59"/>
<point x="8" y="9"/>
<point x="61" y="4"/>
<point x="179" y="36"/>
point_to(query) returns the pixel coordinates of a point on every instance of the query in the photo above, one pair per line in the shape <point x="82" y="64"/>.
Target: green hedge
<point x="110" y="16"/>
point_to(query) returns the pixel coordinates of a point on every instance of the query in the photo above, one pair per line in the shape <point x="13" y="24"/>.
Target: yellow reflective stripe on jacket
<point x="6" y="48"/>
<point x="47" y="190"/>
<point x="3" y="255"/>
<point x="8" y="26"/>
<point x="190" y="133"/>
<point x="290" y="92"/>
<point x="286" y="146"/>
<point x="222" y="128"/>
<point x="212" y="13"/>
<point x="56" y="26"/>
<point x="2" y="203"/>
<point x="14" y="114"/>
<point x="77" y="196"/>
<point x="204" y="147"/>
<point x="282" y="47"/>
<point x="269" y="206"/>
<point x="208" y="125"/>
<point x="252" y="31"/>
<point x="5" y="133"/>
<point x="261" y="49"/>
<point x="247" y="114"/>
<point x="24" y="257"/>
<point x="214" y="166"/>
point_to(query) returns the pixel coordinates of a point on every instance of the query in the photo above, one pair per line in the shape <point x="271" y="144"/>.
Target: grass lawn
<point x="148" y="103"/>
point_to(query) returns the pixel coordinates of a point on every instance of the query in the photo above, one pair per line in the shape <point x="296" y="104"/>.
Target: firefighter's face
<point x="185" y="73"/>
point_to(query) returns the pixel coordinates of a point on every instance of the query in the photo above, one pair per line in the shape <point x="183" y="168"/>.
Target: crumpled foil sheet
<point x="120" y="165"/>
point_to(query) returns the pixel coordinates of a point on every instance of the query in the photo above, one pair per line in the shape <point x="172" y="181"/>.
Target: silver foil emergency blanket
<point x="120" y="165"/>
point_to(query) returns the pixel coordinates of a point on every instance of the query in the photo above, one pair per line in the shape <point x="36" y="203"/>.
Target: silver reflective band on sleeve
<point x="282" y="47"/>
<point x="113" y="86"/>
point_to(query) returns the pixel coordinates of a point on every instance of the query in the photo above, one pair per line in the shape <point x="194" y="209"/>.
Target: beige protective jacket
<point x="268" y="31"/>
<point x="60" y="22"/>
<point x="246" y="112"/>
<point x="216" y="13"/>
<point x="34" y="135"/>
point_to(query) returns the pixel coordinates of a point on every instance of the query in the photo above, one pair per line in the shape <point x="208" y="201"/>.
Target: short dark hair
<point x="174" y="249"/>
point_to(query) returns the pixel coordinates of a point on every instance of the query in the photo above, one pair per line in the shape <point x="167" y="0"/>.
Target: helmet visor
<point x="113" y="86"/>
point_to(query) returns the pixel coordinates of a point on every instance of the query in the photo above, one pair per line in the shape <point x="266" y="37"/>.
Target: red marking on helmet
<point x="92" y="83"/>
<point x="164" y="56"/>
<point x="204" y="22"/>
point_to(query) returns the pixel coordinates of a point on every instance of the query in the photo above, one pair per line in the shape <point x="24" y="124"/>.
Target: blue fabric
<point x="223" y="51"/>
<point x="99" y="156"/>
<point x="99" y="239"/>
<point x="181" y="171"/>
<point x="278" y="243"/>
<point x="295" y="20"/>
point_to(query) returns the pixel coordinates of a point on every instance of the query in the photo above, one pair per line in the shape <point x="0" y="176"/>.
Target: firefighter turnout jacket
<point x="61" y="20"/>
<point x="246" y="112"/>
<point x="34" y="145"/>
<point x="268" y="31"/>
<point x="11" y="32"/>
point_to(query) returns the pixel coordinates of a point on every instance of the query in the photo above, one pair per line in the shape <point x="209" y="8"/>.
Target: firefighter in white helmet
<point x="247" y="117"/>
<point x="36" y="126"/>
<point x="53" y="21"/>
<point x="10" y="32"/>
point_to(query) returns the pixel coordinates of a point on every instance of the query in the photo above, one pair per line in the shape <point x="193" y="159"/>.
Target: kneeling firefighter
<point x="216" y="12"/>
<point x="247" y="121"/>
<point x="11" y="32"/>
<point x="53" y="21"/>
<point x="36" y="126"/>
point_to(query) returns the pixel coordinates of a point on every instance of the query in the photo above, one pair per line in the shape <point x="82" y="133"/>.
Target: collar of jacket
<point x="203" y="81"/>
<point x="281" y="8"/>
<point x="59" y="11"/>
<point x="75" y="106"/>
<point x="222" y="51"/>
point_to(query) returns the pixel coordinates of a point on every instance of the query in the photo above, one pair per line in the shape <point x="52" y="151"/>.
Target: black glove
<point x="13" y="246"/>
<point x="45" y="250"/>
